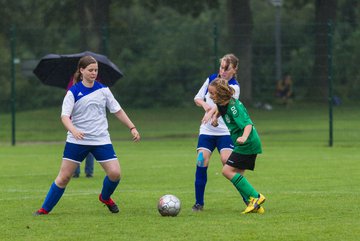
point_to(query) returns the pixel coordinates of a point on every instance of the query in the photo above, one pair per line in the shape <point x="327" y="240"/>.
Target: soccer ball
<point x="169" y="205"/>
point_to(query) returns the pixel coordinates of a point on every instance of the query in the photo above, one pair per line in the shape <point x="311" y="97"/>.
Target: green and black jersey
<point x="236" y="118"/>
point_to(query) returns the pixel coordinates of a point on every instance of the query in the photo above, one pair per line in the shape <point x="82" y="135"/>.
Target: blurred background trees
<point x="166" y="49"/>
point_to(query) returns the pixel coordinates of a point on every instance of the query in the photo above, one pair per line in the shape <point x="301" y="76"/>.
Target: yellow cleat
<point x="255" y="203"/>
<point x="260" y="210"/>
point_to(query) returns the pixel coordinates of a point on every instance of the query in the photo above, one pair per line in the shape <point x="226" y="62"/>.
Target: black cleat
<point x="197" y="207"/>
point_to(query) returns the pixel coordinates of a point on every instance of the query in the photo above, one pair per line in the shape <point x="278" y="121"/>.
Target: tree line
<point x="167" y="48"/>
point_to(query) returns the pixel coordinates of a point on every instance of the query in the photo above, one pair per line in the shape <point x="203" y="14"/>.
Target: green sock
<point x="244" y="187"/>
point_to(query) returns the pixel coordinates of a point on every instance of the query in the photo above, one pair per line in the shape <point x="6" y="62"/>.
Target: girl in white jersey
<point x="211" y="137"/>
<point x="84" y="116"/>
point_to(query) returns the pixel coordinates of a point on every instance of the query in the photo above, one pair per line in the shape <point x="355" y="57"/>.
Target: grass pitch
<point x="312" y="190"/>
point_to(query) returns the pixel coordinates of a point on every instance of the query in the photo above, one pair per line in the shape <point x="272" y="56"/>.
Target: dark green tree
<point x="90" y="16"/>
<point x="240" y="26"/>
<point x="239" y="22"/>
<point x="194" y="8"/>
<point x="325" y="13"/>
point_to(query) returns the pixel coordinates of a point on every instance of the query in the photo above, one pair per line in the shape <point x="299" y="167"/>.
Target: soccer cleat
<point x="41" y="211"/>
<point x="259" y="210"/>
<point x="197" y="207"/>
<point x="88" y="175"/>
<point x="255" y="203"/>
<point x="110" y="204"/>
<point x="76" y="175"/>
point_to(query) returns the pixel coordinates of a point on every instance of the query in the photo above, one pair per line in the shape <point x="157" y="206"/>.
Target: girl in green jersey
<point x="245" y="138"/>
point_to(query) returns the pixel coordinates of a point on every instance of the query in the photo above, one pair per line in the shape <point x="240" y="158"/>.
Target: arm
<point x="200" y="96"/>
<point x="122" y="116"/>
<point x="70" y="127"/>
<point x="66" y="111"/>
<point x="242" y="139"/>
<point x="115" y="108"/>
<point x="210" y="115"/>
<point x="203" y="104"/>
<point x="215" y="117"/>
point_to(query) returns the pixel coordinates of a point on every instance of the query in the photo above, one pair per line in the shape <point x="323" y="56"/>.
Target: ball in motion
<point x="169" y="205"/>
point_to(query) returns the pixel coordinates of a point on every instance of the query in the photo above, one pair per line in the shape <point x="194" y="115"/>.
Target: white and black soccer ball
<point x="169" y="205"/>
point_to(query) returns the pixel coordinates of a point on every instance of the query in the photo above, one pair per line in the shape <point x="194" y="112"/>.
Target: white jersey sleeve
<point x="68" y="104"/>
<point x="236" y="95"/>
<point x="202" y="91"/>
<point x="111" y="103"/>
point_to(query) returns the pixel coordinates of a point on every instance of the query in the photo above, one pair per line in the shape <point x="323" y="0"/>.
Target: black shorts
<point x="241" y="161"/>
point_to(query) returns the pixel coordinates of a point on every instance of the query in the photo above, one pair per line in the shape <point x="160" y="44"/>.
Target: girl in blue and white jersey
<point x="84" y="116"/>
<point x="211" y="137"/>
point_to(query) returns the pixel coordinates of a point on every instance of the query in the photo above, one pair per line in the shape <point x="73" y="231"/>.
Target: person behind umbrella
<point x="86" y="103"/>
<point x="89" y="160"/>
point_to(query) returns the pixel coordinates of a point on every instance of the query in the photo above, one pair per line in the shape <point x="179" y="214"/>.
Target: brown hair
<point x="230" y="60"/>
<point x="223" y="91"/>
<point x="82" y="64"/>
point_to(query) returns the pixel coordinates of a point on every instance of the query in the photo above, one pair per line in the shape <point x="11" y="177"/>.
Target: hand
<point x="207" y="109"/>
<point x="135" y="134"/>
<point x="241" y="140"/>
<point x="78" y="134"/>
<point x="207" y="117"/>
<point x="214" y="122"/>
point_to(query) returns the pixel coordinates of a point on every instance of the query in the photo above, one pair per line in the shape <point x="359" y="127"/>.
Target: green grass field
<point x="312" y="190"/>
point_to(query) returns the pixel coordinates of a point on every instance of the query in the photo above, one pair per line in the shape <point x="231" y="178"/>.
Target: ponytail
<point x="77" y="76"/>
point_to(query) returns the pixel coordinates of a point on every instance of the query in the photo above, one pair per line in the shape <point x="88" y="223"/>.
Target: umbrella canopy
<point x="57" y="70"/>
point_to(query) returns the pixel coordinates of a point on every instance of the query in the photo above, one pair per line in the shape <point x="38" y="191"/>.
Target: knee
<point x="202" y="159"/>
<point x="114" y="176"/>
<point x="224" y="160"/>
<point x="227" y="172"/>
<point x="224" y="172"/>
<point x="62" y="180"/>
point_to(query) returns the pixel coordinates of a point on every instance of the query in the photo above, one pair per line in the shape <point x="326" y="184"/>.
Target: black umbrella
<point x="57" y="70"/>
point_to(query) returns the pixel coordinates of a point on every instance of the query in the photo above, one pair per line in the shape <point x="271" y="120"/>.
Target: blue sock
<point x="200" y="183"/>
<point x="52" y="197"/>
<point x="108" y="188"/>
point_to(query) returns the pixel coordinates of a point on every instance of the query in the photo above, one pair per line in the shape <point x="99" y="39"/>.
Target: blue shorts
<point x="77" y="153"/>
<point x="209" y="143"/>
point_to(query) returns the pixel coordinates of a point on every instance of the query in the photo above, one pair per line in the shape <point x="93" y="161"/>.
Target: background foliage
<point x="167" y="49"/>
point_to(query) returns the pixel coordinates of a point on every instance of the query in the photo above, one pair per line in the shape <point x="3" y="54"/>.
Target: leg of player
<point x="111" y="181"/>
<point x="89" y="165"/>
<point x="58" y="187"/>
<point x="224" y="155"/>
<point x="246" y="190"/>
<point x="201" y="178"/>
<point x="77" y="172"/>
